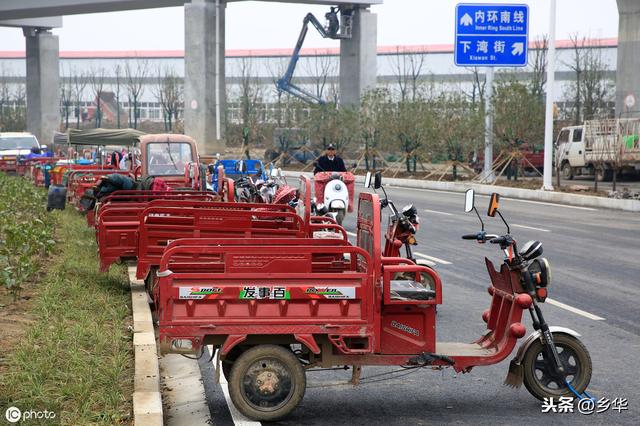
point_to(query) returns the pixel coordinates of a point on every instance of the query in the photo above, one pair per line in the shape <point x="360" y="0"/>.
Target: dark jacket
<point x="323" y="164"/>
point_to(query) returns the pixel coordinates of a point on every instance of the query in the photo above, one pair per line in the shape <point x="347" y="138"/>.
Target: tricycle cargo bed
<point x="195" y="255"/>
<point x="280" y="288"/>
<point x="139" y="196"/>
<point x="161" y="225"/>
<point x="118" y="223"/>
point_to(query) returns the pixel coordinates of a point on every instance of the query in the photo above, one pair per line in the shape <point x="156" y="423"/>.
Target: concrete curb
<point x="523" y="194"/>
<point x="147" y="401"/>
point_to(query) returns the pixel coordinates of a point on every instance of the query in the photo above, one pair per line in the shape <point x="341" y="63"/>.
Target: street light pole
<point x="548" y="120"/>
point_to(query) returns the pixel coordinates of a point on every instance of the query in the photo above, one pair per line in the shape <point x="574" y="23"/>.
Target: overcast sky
<point x="256" y="25"/>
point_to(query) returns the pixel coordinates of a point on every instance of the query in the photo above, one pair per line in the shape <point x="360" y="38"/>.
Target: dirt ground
<point x="15" y="318"/>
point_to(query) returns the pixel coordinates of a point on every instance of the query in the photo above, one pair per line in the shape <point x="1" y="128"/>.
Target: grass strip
<point x="76" y="359"/>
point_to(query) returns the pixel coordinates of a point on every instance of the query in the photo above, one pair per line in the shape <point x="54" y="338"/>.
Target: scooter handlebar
<point x="481" y="236"/>
<point x="498" y="240"/>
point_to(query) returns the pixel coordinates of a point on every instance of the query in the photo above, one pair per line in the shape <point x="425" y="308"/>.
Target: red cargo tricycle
<point x="274" y="309"/>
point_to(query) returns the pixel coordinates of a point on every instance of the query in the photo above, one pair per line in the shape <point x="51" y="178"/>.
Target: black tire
<point x="340" y="216"/>
<point x="567" y="171"/>
<point x="267" y="382"/>
<point x="230" y="359"/>
<point x="604" y="175"/>
<point x="539" y="378"/>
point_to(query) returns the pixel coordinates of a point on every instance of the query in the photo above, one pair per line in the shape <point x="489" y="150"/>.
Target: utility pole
<point x="488" y="126"/>
<point x="548" y="119"/>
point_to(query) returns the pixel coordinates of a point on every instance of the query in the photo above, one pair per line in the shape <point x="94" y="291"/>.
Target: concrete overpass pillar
<point x="358" y="57"/>
<point x="627" y="75"/>
<point x="43" y="83"/>
<point x="201" y="73"/>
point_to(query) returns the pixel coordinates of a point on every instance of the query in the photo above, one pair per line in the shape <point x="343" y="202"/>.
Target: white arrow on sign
<point x="517" y="49"/>
<point x="466" y="20"/>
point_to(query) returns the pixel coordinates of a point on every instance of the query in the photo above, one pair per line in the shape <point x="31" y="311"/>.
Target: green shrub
<point x="26" y="231"/>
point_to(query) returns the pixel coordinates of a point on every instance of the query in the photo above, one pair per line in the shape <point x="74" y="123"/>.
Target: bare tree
<point x="250" y="95"/>
<point x="590" y="91"/>
<point x="135" y="87"/>
<point x="320" y="68"/>
<point x="79" y="83"/>
<point x="276" y="73"/>
<point x="477" y="87"/>
<point x="117" y="89"/>
<point x="407" y="68"/>
<point x="5" y="95"/>
<point x="97" y="80"/>
<point x="538" y="63"/>
<point x="66" y="97"/>
<point x="169" y="93"/>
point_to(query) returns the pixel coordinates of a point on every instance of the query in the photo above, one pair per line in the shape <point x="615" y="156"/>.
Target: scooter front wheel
<point x="340" y="216"/>
<point x="540" y="377"/>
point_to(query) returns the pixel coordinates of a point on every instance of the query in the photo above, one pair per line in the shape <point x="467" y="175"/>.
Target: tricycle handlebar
<point x="481" y="237"/>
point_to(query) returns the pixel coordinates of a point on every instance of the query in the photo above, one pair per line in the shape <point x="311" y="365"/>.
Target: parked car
<point x="13" y="145"/>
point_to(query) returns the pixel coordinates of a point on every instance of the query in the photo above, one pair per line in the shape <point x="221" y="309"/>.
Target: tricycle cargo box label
<point x="198" y="292"/>
<point x="256" y="292"/>
<point x="332" y="292"/>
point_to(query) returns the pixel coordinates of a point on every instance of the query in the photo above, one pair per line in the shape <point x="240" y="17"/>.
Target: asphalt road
<point x="595" y="259"/>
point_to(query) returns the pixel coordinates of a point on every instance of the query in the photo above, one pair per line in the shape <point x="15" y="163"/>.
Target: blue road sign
<point x="491" y="35"/>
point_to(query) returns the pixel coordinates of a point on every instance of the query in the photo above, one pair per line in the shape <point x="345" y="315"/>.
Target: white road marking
<point x="239" y="419"/>
<point x="437" y="212"/>
<point x="530" y="227"/>
<point x="504" y="198"/>
<point x="574" y="310"/>
<point x="432" y="258"/>
<point x="352" y="234"/>
<point x="551" y="204"/>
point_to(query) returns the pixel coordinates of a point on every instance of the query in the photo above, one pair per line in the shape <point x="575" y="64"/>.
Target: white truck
<point x="600" y="148"/>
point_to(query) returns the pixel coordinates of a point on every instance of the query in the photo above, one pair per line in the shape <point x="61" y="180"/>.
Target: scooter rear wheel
<point x="540" y="378"/>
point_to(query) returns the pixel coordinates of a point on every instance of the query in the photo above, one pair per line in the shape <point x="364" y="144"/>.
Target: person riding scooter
<point x="330" y="162"/>
<point x="333" y="185"/>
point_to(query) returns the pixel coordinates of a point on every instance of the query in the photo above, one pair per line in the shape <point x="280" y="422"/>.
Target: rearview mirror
<point x="493" y="204"/>
<point x="367" y="180"/>
<point x="469" y="200"/>
<point x="377" y="180"/>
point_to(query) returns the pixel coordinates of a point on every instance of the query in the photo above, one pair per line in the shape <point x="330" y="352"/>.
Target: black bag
<point x="56" y="197"/>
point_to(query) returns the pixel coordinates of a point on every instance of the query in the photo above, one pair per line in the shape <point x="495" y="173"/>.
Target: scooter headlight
<point x="540" y="272"/>
<point x="337" y="187"/>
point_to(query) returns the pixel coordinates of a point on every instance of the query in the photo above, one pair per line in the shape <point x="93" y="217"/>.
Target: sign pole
<point x="488" y="126"/>
<point x="548" y="120"/>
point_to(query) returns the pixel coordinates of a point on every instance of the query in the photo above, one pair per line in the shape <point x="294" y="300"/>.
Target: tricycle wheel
<point x="227" y="362"/>
<point x="540" y="377"/>
<point x="267" y="382"/>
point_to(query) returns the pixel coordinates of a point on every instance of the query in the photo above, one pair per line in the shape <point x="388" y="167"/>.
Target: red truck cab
<point x="165" y="156"/>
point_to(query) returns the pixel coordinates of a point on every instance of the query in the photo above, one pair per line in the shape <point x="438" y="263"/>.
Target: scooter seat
<point x="410" y="290"/>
